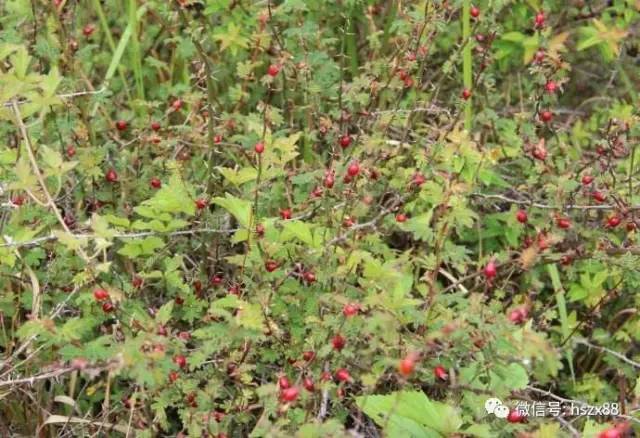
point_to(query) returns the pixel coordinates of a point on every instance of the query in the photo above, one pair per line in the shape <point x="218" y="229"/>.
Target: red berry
<point x="108" y="307"/>
<point x="518" y="316"/>
<point x="515" y="416"/>
<point x="613" y="221"/>
<point x="418" y="179"/>
<point x="329" y="180"/>
<point x="111" y="176"/>
<point x="201" y="203"/>
<point x="490" y="270"/>
<point x="155" y="126"/>
<point x="88" y="30"/>
<point x="546" y="116"/>
<point x="474" y="11"/>
<point x="440" y="372"/>
<point x="162" y="331"/>
<point x="176" y="104"/>
<point x="407" y="365"/>
<point x="216" y="280"/>
<point x="17" y="200"/>
<point x="309" y="277"/>
<point x="563" y="222"/>
<point x="290" y="394"/>
<point x="338" y="342"/>
<point x="353" y="169"/>
<point x="234" y="289"/>
<point x="539" y="56"/>
<point x="180" y="360"/>
<point x="350" y="310"/>
<point x="284" y="383"/>
<point x="217" y="139"/>
<point x="466" y="94"/>
<point x="137" y="282"/>
<point x="285" y="213"/>
<point x="598" y="196"/>
<point x="71" y="151"/>
<point x="173" y="376"/>
<point x="273" y="70"/>
<point x="308" y="384"/>
<point x="539" y="20"/>
<point x="631" y="226"/>
<point x="345" y="141"/>
<point x="260" y="230"/>
<point x="308" y="355"/>
<point x="155" y="183"/>
<point x="540" y="153"/>
<point x="179" y="300"/>
<point x="121" y="125"/>
<point x="100" y="294"/>
<point x="587" y="179"/>
<point x="522" y="217"/>
<point x="408" y="82"/>
<point x="271" y="265"/>
<point x="259" y="148"/>
<point x="610" y="433"/>
<point x="401" y="217"/>
<point x="342" y="375"/>
<point x="551" y="87"/>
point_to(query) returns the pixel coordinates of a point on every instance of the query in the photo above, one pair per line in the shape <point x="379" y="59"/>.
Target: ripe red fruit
<point x="259" y="148"/>
<point x="308" y="384"/>
<point x="522" y="217"/>
<point x="613" y="221"/>
<point x="121" y="125"/>
<point x="587" y="179"/>
<point x="111" y="176"/>
<point x="17" y="200"/>
<point x="540" y="153"/>
<point x="348" y="222"/>
<point x="408" y="82"/>
<point x="309" y="277"/>
<point x="515" y="416"/>
<point x="201" y="203"/>
<point x="173" y="376"/>
<point x="539" y="20"/>
<point x="631" y="226"/>
<point x="179" y="300"/>
<point x="345" y="141"/>
<point x="234" y="289"/>
<point x="308" y="355"/>
<point x="285" y="213"/>
<point x="100" y="294"/>
<point x="440" y="372"/>
<point x="329" y="180"/>
<point x="271" y="265"/>
<point x="216" y="280"/>
<point x="71" y="151"/>
<point x="546" y="116"/>
<point x="338" y="342"/>
<point x="598" y="196"/>
<point x="137" y="282"/>
<point x="466" y="94"/>
<point x="108" y="307"/>
<point x="180" y="360"/>
<point x="290" y="394"/>
<point x="260" y="230"/>
<point x="350" y="309"/>
<point x="88" y="30"/>
<point x="490" y="270"/>
<point x="519" y="315"/>
<point x="283" y="382"/>
<point x="176" y="104"/>
<point x="407" y="365"/>
<point x="401" y="217"/>
<point x="539" y="56"/>
<point x="418" y="179"/>
<point x="353" y="169"/>
<point x="155" y="126"/>
<point x="162" y="331"/>
<point x="273" y="70"/>
<point x="217" y="139"/>
<point x="342" y="375"/>
<point x="155" y="183"/>
<point x="474" y="11"/>
<point x="551" y="87"/>
<point x="563" y="222"/>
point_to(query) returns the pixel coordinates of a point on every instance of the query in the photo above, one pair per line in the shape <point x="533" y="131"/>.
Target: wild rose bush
<point x="289" y="218"/>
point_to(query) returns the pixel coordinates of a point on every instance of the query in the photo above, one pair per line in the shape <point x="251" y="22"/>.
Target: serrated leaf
<point x="164" y="313"/>
<point x="297" y="229"/>
<point x="239" y="208"/>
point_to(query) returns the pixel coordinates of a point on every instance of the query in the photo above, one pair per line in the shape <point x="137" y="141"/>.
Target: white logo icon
<point x="495" y="406"/>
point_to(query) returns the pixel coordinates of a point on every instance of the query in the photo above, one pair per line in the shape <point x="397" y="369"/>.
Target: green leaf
<point x="164" y="313"/>
<point x="172" y="198"/>
<point x="239" y="208"/>
<point x="297" y="229"/>
<point x="410" y="414"/>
